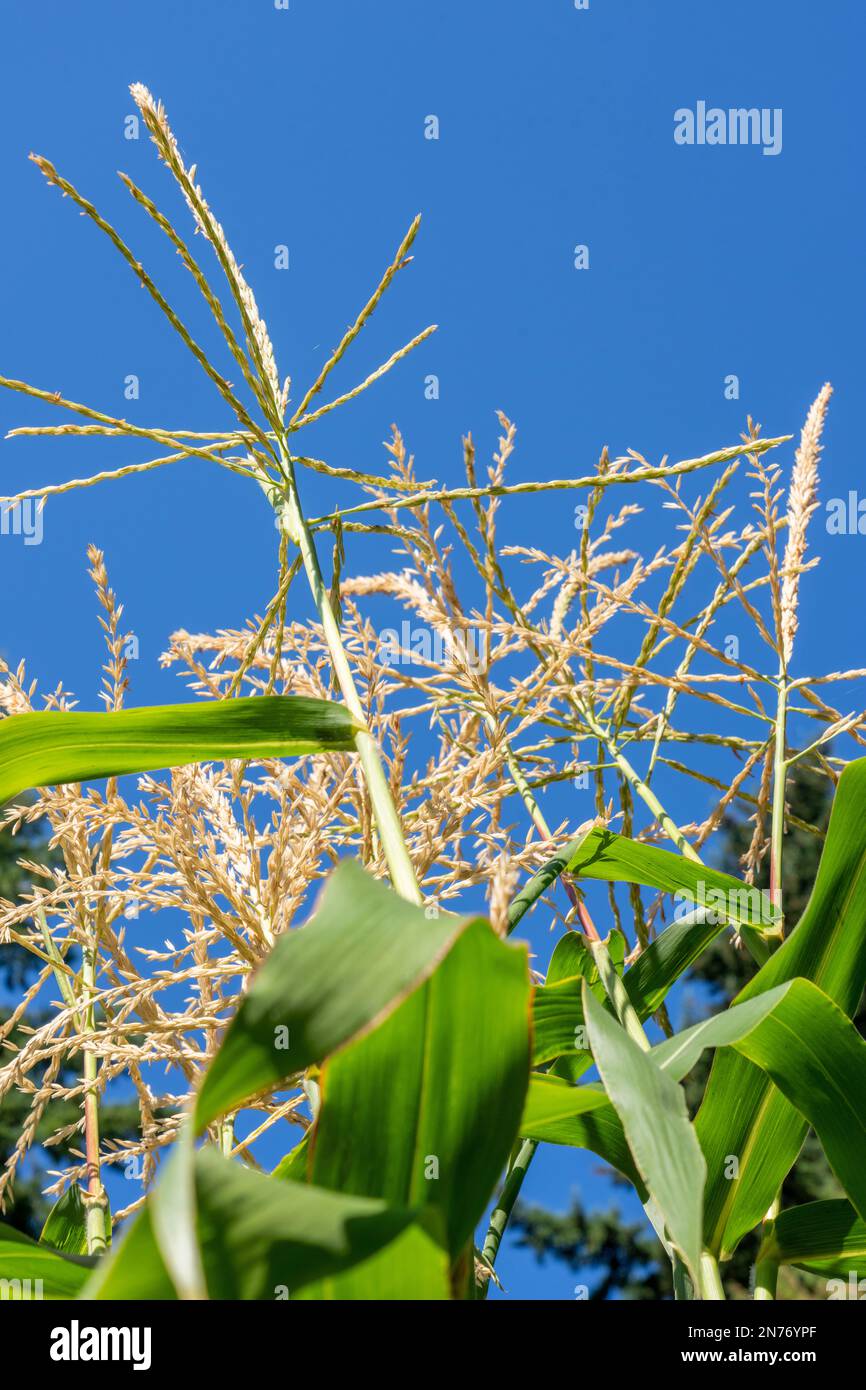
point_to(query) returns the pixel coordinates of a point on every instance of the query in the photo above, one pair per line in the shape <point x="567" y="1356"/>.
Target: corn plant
<point x="415" y="1058"/>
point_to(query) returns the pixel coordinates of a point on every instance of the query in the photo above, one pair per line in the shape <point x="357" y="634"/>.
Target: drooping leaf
<point x="362" y="953"/>
<point x="263" y="1239"/>
<point x="53" y="747"/>
<point x="29" y="1270"/>
<point x="677" y="1055"/>
<point x="653" y="1112"/>
<point x="257" y="1238"/>
<point x="743" y="1114"/>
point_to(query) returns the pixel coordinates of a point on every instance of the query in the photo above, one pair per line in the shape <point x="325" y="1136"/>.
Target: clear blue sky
<point x="556" y="129"/>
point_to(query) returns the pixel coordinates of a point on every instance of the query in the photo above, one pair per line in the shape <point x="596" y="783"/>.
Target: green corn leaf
<point x="656" y="969"/>
<point x="173" y="1219"/>
<point x="258" y="1245"/>
<point x="602" y="854"/>
<point x="293" y="1165"/>
<point x="794" y="1033"/>
<point x="617" y="859"/>
<point x="539" y="883"/>
<point x="412" y="1268"/>
<point x="558" y="1029"/>
<point x="581" y="1116"/>
<point x="421" y="1101"/>
<point x="134" y="1269"/>
<point x="677" y="1055"/>
<point x="257" y="1239"/>
<point x="53" y="747"/>
<point x="826" y="1238"/>
<point x="557" y="1016"/>
<point x="557" y="1011"/>
<point x="663" y="1143"/>
<point x="423" y="1111"/>
<point x="65" y="1228"/>
<point x="362" y="953"/>
<point x="29" y="1270"/>
<point x="572" y="957"/>
<point x="814" y="1054"/>
<point x="744" y="1115"/>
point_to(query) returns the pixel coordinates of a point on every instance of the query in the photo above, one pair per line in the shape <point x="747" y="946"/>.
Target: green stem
<point x="645" y="792"/>
<point x="613" y="986"/>
<point x="387" y="820"/>
<point x="501" y="1213"/>
<point x="710" y="1279"/>
<point x="766" y="1265"/>
<point x="94" y="1199"/>
<point x="618" y="995"/>
<point x="226" y="1133"/>
<point x="766" y="1278"/>
<point x="536" y="815"/>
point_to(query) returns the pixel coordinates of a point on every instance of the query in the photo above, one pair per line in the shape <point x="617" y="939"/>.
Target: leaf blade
<point x="31" y="1270"/>
<point x="826" y="1238"/>
<point x="828" y="947"/>
<point x="52" y="747"/>
<point x="662" y="1140"/>
<point x="65" y="1227"/>
<point x="255" y="1237"/>
<point x="604" y="855"/>
<point x="432" y="1099"/>
<point x="581" y="1117"/>
<point x="361" y="953"/>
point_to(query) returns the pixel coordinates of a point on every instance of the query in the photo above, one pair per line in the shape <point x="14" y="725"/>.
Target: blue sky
<point x="555" y="130"/>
